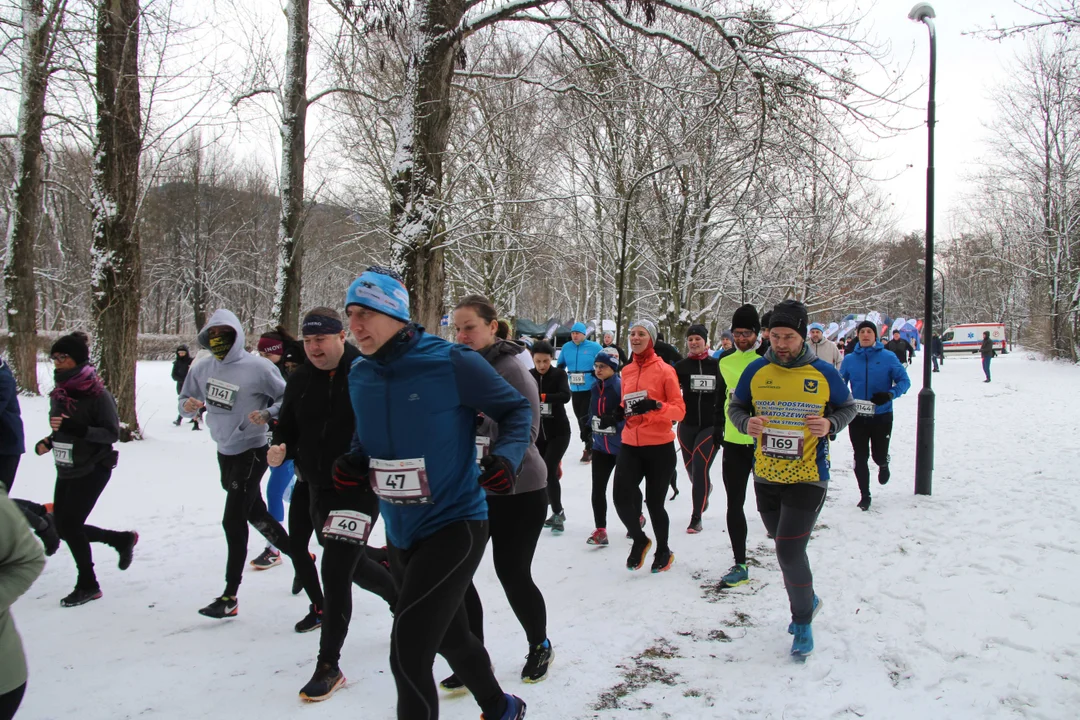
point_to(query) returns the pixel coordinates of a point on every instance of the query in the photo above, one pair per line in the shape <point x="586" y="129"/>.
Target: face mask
<point x="221" y="345"/>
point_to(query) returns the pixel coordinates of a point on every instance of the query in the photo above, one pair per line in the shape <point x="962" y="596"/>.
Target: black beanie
<point x="699" y="330"/>
<point x="790" y="314"/>
<point x="75" y="346"/>
<point x="746" y="318"/>
<point x="867" y="324"/>
<point x="765" y="319"/>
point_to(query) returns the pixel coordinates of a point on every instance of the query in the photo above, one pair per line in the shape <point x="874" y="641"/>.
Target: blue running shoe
<point x="803" y="644"/>
<point x="817" y="607"/>
<point x="736" y="575"/>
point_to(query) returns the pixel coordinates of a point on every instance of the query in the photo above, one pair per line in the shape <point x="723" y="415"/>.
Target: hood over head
<point x="228" y="319"/>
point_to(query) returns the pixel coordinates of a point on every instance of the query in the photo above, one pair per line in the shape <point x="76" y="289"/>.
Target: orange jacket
<point x="662" y="384"/>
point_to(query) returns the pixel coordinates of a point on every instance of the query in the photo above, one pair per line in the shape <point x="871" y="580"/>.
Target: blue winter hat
<point x="816" y="326"/>
<point x="610" y="359"/>
<point x="579" y="327"/>
<point x="382" y="290"/>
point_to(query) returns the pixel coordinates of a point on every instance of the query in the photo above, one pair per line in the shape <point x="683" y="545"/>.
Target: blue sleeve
<point x="839" y="394"/>
<point x="562" y="359"/>
<point x="845" y="369"/>
<point x="481" y="388"/>
<point x="901" y="383"/>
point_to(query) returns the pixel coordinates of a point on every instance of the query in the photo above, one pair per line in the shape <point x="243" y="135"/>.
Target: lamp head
<point x="921" y="12"/>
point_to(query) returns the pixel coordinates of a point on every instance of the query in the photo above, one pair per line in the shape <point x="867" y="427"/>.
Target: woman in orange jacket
<point x="652" y="401"/>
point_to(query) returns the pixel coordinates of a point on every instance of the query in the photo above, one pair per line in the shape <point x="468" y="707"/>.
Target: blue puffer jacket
<point x="418" y="397"/>
<point x="606" y="396"/>
<point x="579" y="359"/>
<point x="874" y="369"/>
<point x="12" y="441"/>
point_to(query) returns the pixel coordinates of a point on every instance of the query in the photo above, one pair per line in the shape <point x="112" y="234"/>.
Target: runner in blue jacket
<point x="605" y="396"/>
<point x="876" y="378"/>
<point x="416" y="399"/>
<point x="577" y="358"/>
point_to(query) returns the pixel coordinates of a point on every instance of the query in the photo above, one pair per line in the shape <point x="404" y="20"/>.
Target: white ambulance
<point x="968" y="338"/>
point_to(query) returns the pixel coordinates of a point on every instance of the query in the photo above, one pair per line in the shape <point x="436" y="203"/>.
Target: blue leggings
<point x="280" y="477"/>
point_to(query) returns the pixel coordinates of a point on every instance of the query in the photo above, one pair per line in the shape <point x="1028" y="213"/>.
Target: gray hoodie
<point x="238" y="385"/>
<point x="532" y="475"/>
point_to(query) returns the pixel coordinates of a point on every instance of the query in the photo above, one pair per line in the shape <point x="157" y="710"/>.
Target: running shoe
<point x="81" y="596"/>
<point x="127" y="549"/>
<point x="453" y="685"/>
<point x="883" y="474"/>
<point x="803" y="644"/>
<point x="222" y="607"/>
<point x="537" y="662"/>
<point x="662" y="561"/>
<point x="640" y="549"/>
<point x="694" y="527"/>
<point x="586" y="456"/>
<point x="736" y="575"/>
<point x="813" y="614"/>
<point x="323" y="683"/>
<point x="864" y="503"/>
<point x="556" y="517"/>
<point x="311" y="621"/>
<point x="267" y="559"/>
<point x="558" y="522"/>
<point x="599" y="537"/>
<point x="178" y="421"/>
<point x="515" y="709"/>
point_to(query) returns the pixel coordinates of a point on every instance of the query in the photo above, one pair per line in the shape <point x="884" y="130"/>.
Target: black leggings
<point x="736" y="466"/>
<point x="870" y="436"/>
<point x="241" y="476"/>
<point x="433" y="576"/>
<point x="580" y="402"/>
<point x="789" y="513"/>
<point x="696" y="443"/>
<point x="552" y="450"/>
<point x="300" y="531"/>
<point x="342" y="565"/>
<point x="602" y="465"/>
<point x="73" y="501"/>
<point x="10" y="701"/>
<point x="656" y="464"/>
<point x="516" y="522"/>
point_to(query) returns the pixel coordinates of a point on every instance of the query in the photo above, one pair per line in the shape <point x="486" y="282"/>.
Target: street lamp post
<point x="941" y="276"/>
<point x="924" y="434"/>
<point x="679" y="161"/>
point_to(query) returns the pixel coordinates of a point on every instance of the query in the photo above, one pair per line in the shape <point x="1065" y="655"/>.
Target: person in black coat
<point x="667" y="352"/>
<point x="85" y="424"/>
<point x="901" y="348"/>
<point x="181" y="365"/>
<point x="553" y="384"/>
<point x="937" y="351"/>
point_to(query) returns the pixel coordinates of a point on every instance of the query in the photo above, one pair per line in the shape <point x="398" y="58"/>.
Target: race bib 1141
<point x="221" y="394"/>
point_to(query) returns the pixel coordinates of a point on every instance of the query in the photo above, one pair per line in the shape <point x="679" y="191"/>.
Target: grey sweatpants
<point x="789" y="513"/>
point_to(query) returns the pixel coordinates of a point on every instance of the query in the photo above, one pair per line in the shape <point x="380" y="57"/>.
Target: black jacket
<point x="902" y="349"/>
<point x="554" y="389"/>
<point x="987" y="348"/>
<point x="667" y="352"/>
<point x="180" y="367"/>
<point x="936" y="347"/>
<point x="316" y="419"/>
<point x="76" y="456"/>
<point x="700" y="403"/>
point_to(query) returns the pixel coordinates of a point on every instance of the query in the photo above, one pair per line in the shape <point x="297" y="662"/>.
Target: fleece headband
<point x="321" y="325"/>
<point x="271" y="346"/>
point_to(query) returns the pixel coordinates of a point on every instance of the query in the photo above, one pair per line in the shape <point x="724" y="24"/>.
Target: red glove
<point x="350" y="472"/>
<point x="497" y="474"/>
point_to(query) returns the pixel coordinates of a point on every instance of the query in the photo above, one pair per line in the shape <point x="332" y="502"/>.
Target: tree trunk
<point x="116" y="260"/>
<point x="423" y="128"/>
<point x="26" y="192"/>
<point x="290" y="234"/>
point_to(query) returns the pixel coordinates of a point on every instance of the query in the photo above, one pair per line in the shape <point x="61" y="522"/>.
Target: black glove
<point x="43" y="446"/>
<point x="73" y="428"/>
<point x="497" y="474"/>
<point x="718" y="434"/>
<point x="880" y="398"/>
<point x="645" y="405"/>
<point x="613" y="418"/>
<point x="350" y="472"/>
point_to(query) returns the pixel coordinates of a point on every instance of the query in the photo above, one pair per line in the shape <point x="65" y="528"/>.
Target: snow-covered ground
<point x="960" y="605"/>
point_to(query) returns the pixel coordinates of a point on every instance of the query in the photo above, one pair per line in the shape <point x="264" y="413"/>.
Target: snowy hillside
<point x="965" y="604"/>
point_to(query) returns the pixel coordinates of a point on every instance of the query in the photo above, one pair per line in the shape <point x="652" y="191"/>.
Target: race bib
<point x="348" y="526"/>
<point x="221" y="394"/>
<point x="63" y="454"/>
<point x="630" y="401"/>
<point x="483" y="447"/>
<point x="703" y="383"/>
<point x="545" y="409"/>
<point x="602" y="431"/>
<point x="782" y="444"/>
<point x="864" y="407"/>
<point x="401" y="482"/>
<point x="577" y="378"/>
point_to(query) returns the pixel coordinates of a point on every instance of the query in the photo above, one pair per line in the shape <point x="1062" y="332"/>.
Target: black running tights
<point x="655" y="464"/>
<point x="869" y="437"/>
<point x="433" y="576"/>
<point x="552" y="450"/>
<point x="516" y="522"/>
<point x="789" y="513"/>
<point x="602" y="466"/>
<point x="736" y="466"/>
<point x="73" y="501"/>
<point x="696" y="444"/>
<point x="10" y="701"/>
